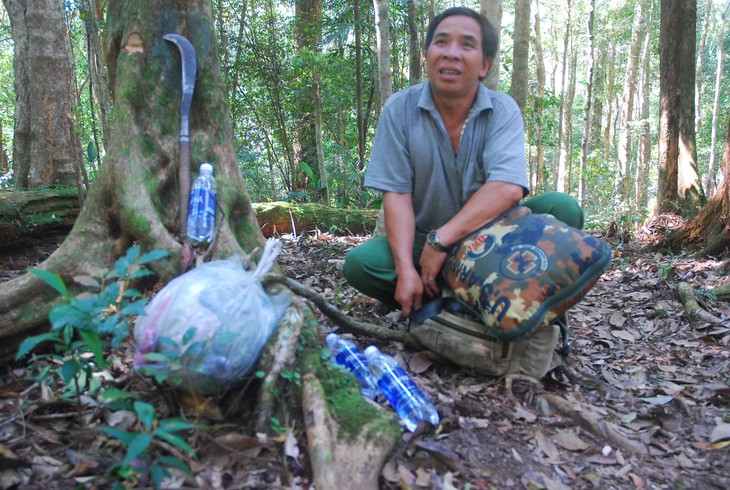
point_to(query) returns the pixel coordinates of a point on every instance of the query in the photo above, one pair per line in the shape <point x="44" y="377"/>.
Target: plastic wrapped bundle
<point x="205" y="330"/>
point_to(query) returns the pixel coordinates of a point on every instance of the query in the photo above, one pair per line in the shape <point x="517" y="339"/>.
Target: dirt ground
<point x="648" y="397"/>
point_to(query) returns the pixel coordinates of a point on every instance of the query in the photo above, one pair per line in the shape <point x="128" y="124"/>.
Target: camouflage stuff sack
<point x="523" y="270"/>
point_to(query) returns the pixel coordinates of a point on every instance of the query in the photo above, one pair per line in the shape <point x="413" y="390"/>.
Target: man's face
<point x="454" y="59"/>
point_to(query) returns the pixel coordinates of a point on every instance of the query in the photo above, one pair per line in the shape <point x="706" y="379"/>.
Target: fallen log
<point x="278" y="218"/>
<point x="35" y="213"/>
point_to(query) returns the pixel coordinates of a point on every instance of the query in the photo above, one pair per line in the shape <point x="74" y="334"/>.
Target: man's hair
<point x="489" y="34"/>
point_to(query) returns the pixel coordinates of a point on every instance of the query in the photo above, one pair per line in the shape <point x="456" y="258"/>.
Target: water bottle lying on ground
<point x="346" y="354"/>
<point x="410" y="403"/>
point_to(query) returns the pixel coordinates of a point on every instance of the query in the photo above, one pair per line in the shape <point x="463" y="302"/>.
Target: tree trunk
<point x="539" y="181"/>
<point x="414" y="71"/>
<point x="47" y="150"/>
<point x="584" y="148"/>
<point x="710" y="229"/>
<point x="4" y="168"/>
<point x="698" y="73"/>
<point x="622" y="183"/>
<point x="599" y="83"/>
<point x="559" y="171"/>
<point x="679" y="189"/>
<point x="97" y="71"/>
<point x="361" y="136"/>
<point x="134" y="196"/>
<point x="307" y="35"/>
<point x="641" y="190"/>
<point x="569" y="116"/>
<point x="382" y="30"/>
<point x="710" y="177"/>
<point x="521" y="53"/>
<point x="492" y="10"/>
<point x="610" y="87"/>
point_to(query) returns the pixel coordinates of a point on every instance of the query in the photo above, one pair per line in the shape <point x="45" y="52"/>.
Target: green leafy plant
<point x="83" y="330"/>
<point x="82" y="326"/>
<point x="150" y="430"/>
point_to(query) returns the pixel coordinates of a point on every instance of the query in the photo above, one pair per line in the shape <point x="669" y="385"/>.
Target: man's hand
<point x="409" y="291"/>
<point x="431" y="263"/>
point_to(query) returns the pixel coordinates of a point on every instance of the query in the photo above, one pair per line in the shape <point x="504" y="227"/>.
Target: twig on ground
<point x="342" y="320"/>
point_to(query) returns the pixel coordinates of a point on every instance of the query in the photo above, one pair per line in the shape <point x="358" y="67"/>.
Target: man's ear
<point x="485" y="67"/>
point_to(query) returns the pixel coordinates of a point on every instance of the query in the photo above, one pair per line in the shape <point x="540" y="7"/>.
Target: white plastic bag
<point x="205" y="330"/>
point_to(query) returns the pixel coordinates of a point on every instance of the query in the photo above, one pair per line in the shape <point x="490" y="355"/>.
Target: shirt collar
<point x="483" y="101"/>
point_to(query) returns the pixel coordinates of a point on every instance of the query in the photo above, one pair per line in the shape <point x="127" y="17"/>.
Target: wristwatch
<point x="433" y="240"/>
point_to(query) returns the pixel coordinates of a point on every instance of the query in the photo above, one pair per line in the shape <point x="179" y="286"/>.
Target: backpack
<point x="444" y="327"/>
<point x="510" y="282"/>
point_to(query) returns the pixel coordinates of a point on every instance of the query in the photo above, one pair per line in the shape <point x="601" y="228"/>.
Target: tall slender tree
<point x="382" y="30"/>
<point x="99" y="81"/>
<point x="700" y="63"/>
<point x="710" y="177"/>
<point x="559" y="170"/>
<point x="492" y="10"/>
<point x="520" y="53"/>
<point x="414" y="46"/>
<point x="622" y="183"/>
<point x="587" y="106"/>
<point x="641" y="180"/>
<point x="307" y="36"/>
<point x="359" y="89"/>
<point x="539" y="177"/>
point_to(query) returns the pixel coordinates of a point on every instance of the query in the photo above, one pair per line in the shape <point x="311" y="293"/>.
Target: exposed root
<point x="280" y="351"/>
<point x="692" y="309"/>
<point x="593" y="423"/>
<point x="510" y="378"/>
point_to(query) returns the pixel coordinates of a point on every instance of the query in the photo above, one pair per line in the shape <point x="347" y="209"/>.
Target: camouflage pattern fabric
<point x="522" y="270"/>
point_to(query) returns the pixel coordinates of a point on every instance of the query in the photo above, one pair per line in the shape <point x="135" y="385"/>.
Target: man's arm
<point x="400" y="228"/>
<point x="491" y="200"/>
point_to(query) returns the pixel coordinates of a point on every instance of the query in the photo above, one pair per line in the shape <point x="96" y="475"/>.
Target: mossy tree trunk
<point x="133" y="198"/>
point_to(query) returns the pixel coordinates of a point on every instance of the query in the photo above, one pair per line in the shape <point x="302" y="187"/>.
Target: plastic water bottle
<point x="346" y="354"/>
<point x="410" y="403"/>
<point x="201" y="213"/>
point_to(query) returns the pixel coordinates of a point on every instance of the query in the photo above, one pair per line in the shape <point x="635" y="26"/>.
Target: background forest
<point x="305" y="91"/>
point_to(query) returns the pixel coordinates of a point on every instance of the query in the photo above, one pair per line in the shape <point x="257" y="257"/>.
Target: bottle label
<point x="395" y="383"/>
<point x="202" y="201"/>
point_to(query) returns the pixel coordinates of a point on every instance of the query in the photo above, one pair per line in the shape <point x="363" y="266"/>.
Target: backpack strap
<point x="444" y="303"/>
<point x="565" y="332"/>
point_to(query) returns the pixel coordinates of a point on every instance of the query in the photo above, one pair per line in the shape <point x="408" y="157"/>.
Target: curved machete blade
<point x="189" y="69"/>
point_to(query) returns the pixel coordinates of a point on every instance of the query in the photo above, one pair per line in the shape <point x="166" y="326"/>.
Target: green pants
<point x="370" y="269"/>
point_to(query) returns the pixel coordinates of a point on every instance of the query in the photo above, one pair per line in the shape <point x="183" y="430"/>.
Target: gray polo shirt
<point x="412" y="152"/>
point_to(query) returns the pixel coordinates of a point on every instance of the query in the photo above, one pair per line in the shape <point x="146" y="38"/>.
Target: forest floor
<point x="649" y="395"/>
